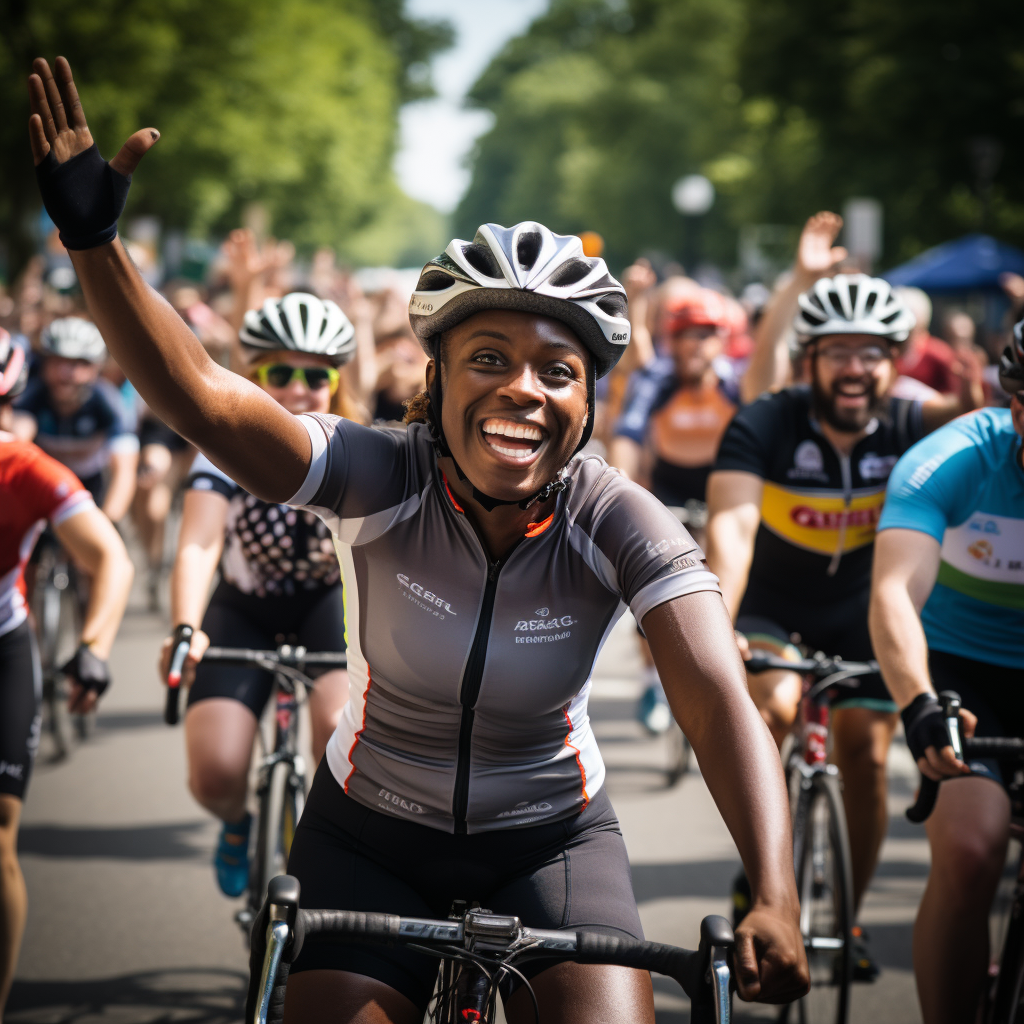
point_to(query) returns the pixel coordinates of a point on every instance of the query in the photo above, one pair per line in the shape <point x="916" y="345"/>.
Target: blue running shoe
<point x="231" y="861"/>
<point x="653" y="711"/>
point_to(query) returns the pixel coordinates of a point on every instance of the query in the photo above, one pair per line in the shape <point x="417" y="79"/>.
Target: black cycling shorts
<point x="567" y="874"/>
<point x="994" y="693"/>
<point x="838" y="630"/>
<point x="315" y="619"/>
<point x="20" y="699"/>
<point x="154" y="431"/>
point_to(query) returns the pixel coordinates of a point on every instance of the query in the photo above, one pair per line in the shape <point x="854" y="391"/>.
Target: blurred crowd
<point x="716" y="348"/>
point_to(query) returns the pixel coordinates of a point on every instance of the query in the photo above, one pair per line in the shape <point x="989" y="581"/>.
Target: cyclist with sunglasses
<point x="279" y="577"/>
<point x="793" y="503"/>
<point x="485" y="562"/>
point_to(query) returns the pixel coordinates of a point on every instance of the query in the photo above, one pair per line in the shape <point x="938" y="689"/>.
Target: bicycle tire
<point x="49" y="619"/>
<point x="679" y="754"/>
<point x="1007" y="1002"/>
<point x="280" y="808"/>
<point x="825" y="887"/>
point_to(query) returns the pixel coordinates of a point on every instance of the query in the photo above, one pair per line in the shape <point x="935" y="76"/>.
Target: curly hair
<point x="417" y="408"/>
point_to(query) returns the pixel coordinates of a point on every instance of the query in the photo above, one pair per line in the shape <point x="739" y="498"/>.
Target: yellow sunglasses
<point x="280" y="375"/>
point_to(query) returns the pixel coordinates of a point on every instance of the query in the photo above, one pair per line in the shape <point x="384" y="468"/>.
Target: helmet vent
<point x="890" y="317"/>
<point x="570" y="273"/>
<point x="304" y="316"/>
<point x="528" y="249"/>
<point x="853" y="296"/>
<point x="613" y="305"/>
<point x="871" y="300"/>
<point x="479" y="257"/>
<point x="435" y="281"/>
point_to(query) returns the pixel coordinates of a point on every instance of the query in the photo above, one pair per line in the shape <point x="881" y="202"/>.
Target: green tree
<point x="289" y="103"/>
<point x="788" y="106"/>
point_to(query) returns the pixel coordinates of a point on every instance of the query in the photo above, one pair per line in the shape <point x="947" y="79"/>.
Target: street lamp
<point x="692" y="195"/>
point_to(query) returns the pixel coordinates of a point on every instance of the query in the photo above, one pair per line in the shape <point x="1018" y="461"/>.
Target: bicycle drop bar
<point x="178" y="656"/>
<point x="290" y="657"/>
<point x="702" y="973"/>
<point x="828" y="672"/>
<point x="996" y="748"/>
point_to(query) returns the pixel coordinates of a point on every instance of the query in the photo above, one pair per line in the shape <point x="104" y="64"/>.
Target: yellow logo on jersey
<point x="820" y="520"/>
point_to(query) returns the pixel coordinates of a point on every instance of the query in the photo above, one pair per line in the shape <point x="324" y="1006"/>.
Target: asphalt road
<point x="126" y="925"/>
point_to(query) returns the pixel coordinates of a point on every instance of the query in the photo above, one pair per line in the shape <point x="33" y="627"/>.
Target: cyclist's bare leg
<point x="152" y="500"/>
<point x="219" y="734"/>
<point x="326" y="702"/>
<point x="776" y="694"/>
<point x="584" y="993"/>
<point x="860" y="746"/>
<point x="345" y="998"/>
<point x="968" y="834"/>
<point x="13" y="896"/>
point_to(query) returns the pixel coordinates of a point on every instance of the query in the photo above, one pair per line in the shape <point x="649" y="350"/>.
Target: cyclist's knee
<point x="968" y="833"/>
<point x="10" y="815"/>
<point x="862" y="738"/>
<point x="215" y="780"/>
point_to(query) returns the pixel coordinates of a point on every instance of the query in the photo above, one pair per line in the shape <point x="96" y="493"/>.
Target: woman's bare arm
<point x="699" y="664"/>
<point x="242" y="430"/>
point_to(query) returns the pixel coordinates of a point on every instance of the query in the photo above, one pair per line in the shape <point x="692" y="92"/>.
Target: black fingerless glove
<point x="84" y="197"/>
<point x="924" y="724"/>
<point x="88" y="670"/>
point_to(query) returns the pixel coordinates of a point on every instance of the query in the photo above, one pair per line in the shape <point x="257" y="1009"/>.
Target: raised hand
<point x="58" y="122"/>
<point x="816" y="256"/>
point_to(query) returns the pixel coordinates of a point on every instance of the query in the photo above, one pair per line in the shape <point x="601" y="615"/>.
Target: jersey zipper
<point x="469" y="691"/>
<point x="844" y="466"/>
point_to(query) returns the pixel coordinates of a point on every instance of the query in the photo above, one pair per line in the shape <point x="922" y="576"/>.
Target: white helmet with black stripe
<point x="71" y="337"/>
<point x="300" y="322"/>
<point x="526" y="267"/>
<point x="852" y="304"/>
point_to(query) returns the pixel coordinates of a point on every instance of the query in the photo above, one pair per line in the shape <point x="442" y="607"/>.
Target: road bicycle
<point x="281" y="783"/>
<point x="821" y="844"/>
<point x="1003" y="1001"/>
<point x="57" y="612"/>
<point x="478" y="950"/>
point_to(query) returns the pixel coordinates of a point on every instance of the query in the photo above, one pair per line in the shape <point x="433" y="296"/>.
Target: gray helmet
<point x="525" y="267"/>
<point x="1011" y="363"/>
<point x="852" y="304"/>
<point x="303" y="323"/>
<point x="71" y="337"/>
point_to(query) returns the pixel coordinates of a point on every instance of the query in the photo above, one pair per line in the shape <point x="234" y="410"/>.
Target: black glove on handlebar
<point x="925" y="725"/>
<point x="84" y="197"/>
<point x="88" y="670"/>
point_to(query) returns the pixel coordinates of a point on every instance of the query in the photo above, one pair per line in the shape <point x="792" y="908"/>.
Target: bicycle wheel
<point x="1006" y="1005"/>
<point x="825" y="887"/>
<point x="678" y="754"/>
<point x="280" y="808"/>
<point x="54" y="580"/>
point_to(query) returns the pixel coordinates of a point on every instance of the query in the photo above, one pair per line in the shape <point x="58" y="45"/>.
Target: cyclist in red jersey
<point x="36" y="489"/>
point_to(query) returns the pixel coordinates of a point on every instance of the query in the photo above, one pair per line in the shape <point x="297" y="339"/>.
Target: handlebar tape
<point x="684" y="965"/>
<point x="346" y="925"/>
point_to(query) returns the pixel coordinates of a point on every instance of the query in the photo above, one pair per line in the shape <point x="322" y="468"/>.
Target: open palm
<point x="58" y="122"/>
<point x="816" y="256"/>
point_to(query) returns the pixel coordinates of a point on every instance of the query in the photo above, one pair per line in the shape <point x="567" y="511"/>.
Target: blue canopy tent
<point x="971" y="263"/>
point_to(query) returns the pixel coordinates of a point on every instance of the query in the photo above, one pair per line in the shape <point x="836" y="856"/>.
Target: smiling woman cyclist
<point x="484" y="566"/>
<point x="279" y="577"/>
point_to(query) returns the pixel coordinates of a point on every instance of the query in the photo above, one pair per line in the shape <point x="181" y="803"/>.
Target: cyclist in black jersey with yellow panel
<point x="793" y="504"/>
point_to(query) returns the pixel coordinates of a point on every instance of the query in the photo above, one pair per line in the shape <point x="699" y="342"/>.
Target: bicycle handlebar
<point x="289" y="659"/>
<point x="1000" y="748"/>
<point x="828" y="672"/>
<point x="702" y="973"/>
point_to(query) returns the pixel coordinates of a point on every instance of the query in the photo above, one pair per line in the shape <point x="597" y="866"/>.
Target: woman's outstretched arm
<point x="239" y="427"/>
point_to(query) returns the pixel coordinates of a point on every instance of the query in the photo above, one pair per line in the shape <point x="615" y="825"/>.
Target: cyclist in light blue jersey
<point x="947" y="612"/>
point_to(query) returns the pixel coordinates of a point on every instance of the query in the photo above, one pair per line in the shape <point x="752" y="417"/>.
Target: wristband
<point x="925" y="725"/>
<point x="84" y="197"/>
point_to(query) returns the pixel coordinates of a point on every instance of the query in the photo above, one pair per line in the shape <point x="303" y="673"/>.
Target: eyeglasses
<point x="280" y="375"/>
<point x="838" y="357"/>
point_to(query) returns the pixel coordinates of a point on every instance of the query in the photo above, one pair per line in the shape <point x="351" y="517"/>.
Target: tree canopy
<point x="788" y="106"/>
<point x="289" y="103"/>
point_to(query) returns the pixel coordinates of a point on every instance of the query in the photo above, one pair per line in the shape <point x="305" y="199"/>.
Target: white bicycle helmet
<point x="1011" y="362"/>
<point x="302" y="323"/>
<point x="71" y="337"/>
<point x="525" y="267"/>
<point x="13" y="368"/>
<point x="852" y="304"/>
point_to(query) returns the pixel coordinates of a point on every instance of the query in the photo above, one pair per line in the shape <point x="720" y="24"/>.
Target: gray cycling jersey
<point x="470" y="678"/>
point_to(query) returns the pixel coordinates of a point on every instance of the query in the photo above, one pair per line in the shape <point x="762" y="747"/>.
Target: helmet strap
<point x="441" y="449"/>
